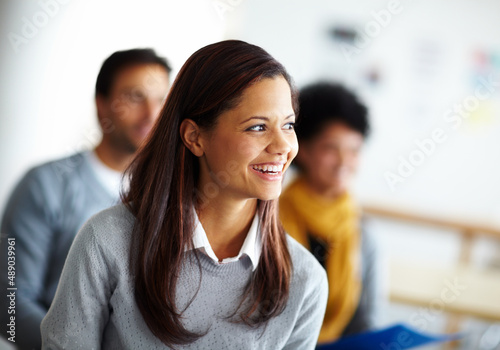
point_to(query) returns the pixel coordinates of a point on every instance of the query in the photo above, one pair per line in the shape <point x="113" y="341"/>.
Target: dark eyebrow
<point x="263" y="118"/>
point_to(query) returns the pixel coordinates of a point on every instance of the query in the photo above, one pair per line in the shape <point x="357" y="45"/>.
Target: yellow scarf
<point x="335" y="223"/>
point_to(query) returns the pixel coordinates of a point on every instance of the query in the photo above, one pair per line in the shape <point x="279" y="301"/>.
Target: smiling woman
<point x="196" y="257"/>
<point x="262" y="146"/>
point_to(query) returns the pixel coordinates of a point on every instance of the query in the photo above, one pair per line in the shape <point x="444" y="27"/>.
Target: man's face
<point x="331" y="158"/>
<point x="133" y="105"/>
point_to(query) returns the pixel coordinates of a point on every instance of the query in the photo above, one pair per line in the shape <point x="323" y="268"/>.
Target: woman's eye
<point x="290" y="126"/>
<point x="260" y="127"/>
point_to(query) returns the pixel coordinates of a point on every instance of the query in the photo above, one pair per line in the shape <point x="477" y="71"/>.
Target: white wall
<point x="48" y="74"/>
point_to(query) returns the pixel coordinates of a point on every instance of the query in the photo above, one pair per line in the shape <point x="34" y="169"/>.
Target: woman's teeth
<point x="269" y="169"/>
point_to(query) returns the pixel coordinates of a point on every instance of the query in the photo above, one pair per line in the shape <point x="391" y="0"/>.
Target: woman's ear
<point x="190" y="135"/>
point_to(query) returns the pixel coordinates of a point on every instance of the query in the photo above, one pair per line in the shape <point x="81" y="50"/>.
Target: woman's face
<point x="251" y="146"/>
<point x="330" y="160"/>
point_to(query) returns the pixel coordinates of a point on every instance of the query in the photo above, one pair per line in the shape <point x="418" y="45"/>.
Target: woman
<point x="195" y="257"/>
<point x="318" y="210"/>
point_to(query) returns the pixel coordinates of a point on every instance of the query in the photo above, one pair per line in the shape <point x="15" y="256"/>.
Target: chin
<point x="269" y="196"/>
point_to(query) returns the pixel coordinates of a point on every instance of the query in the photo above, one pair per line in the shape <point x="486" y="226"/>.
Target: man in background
<point x="53" y="200"/>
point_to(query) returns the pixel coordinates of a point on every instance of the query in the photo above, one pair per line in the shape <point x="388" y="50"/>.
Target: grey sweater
<point x="94" y="306"/>
<point x="43" y="215"/>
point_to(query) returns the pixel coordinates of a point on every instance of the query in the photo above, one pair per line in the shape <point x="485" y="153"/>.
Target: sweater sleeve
<point x="29" y="219"/>
<point x="307" y="327"/>
<point x="80" y="310"/>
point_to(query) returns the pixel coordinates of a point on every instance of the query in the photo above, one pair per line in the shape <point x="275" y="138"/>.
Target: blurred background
<point x="428" y="70"/>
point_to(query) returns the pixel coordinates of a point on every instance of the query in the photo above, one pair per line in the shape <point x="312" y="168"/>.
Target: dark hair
<point x="121" y="59"/>
<point x="322" y="103"/>
<point x="163" y="192"/>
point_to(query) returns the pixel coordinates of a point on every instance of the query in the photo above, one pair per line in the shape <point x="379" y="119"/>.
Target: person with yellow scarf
<point x="318" y="211"/>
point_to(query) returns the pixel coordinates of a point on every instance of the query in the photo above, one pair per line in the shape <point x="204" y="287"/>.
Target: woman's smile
<point x="269" y="171"/>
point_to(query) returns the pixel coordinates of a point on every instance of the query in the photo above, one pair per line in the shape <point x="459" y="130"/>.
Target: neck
<point x="226" y="224"/>
<point x="326" y="192"/>
<point x="113" y="158"/>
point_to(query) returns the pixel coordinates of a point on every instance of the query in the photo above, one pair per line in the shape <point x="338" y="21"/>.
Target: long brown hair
<point x="163" y="192"/>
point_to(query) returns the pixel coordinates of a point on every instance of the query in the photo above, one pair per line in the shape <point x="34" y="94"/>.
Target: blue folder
<point x="397" y="337"/>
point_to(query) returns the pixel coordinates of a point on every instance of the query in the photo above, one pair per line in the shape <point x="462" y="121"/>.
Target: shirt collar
<point x="251" y="246"/>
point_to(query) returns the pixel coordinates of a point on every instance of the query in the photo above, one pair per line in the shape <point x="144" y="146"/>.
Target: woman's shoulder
<point x="118" y="216"/>
<point x="109" y="228"/>
<point x="306" y="268"/>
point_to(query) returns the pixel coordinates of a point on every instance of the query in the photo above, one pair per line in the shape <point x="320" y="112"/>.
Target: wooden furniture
<point x="462" y="290"/>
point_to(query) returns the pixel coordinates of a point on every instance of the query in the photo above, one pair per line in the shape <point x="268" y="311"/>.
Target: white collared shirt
<point x="251" y="246"/>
